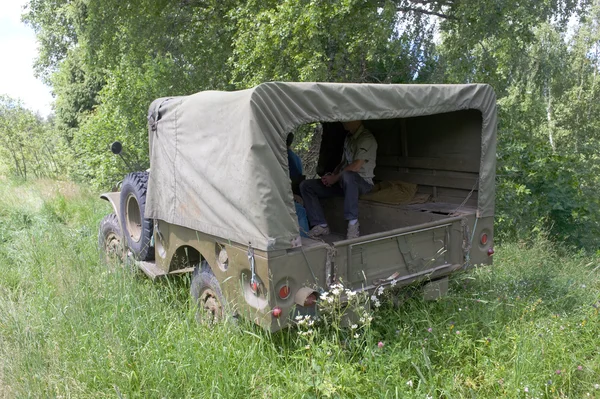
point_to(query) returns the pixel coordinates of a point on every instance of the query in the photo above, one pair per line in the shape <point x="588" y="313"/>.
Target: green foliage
<point x="547" y="149"/>
<point x="76" y="90"/>
<point x="324" y="41"/>
<point x="28" y="145"/>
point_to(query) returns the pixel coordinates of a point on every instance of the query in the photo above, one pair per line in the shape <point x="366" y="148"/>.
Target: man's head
<point x="290" y="139"/>
<point x="352" y="126"/>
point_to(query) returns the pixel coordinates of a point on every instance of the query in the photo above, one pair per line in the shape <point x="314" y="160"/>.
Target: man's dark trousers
<point x="350" y="186"/>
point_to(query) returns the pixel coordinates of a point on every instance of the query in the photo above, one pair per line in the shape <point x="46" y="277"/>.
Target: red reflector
<point x="310" y="300"/>
<point x="490" y="251"/>
<point x="277" y="311"/>
<point x="254" y="286"/>
<point x="284" y="292"/>
<point x="484" y="239"/>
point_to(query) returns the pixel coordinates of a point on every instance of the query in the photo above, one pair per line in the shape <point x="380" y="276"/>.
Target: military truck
<point x="217" y="201"/>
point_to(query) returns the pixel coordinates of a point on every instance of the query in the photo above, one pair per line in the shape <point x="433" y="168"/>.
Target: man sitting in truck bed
<point x="350" y="179"/>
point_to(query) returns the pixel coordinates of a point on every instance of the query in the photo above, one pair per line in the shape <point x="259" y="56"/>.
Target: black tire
<point x="206" y="292"/>
<point x="137" y="231"/>
<point x="109" y="240"/>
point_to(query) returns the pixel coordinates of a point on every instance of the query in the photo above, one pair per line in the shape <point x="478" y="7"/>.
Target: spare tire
<point x="136" y="229"/>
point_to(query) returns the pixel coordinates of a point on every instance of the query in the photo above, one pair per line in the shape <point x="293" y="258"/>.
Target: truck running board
<point x="151" y="270"/>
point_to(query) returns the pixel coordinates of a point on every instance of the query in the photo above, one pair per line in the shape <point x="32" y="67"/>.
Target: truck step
<point x="153" y="271"/>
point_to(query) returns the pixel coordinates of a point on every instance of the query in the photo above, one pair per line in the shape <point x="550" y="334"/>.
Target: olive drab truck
<point x="217" y="201"/>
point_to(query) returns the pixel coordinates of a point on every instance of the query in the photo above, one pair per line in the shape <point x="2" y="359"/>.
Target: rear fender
<point x="114" y="199"/>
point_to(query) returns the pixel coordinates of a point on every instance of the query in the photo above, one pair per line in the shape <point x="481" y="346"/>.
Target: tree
<point x="28" y="143"/>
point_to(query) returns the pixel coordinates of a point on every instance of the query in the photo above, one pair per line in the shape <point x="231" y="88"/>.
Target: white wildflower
<point x="373" y="298"/>
<point x="356" y="335"/>
<point x="350" y="293"/>
<point x="354" y="326"/>
<point x="328" y="353"/>
<point x="409" y="383"/>
<point x="307" y="347"/>
<point x="329" y="299"/>
<point x="526" y="389"/>
<point x="393" y="284"/>
<point x="309" y="332"/>
<point x="380" y="290"/>
<point x="324" y="296"/>
<point x="377" y="304"/>
<point x="335" y="291"/>
<point x="299" y="317"/>
<point x="362" y="320"/>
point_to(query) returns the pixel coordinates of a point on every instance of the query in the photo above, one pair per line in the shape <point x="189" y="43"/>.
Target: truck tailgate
<point x="403" y="254"/>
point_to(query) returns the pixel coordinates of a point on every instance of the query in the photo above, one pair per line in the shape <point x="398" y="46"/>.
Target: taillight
<point x="284" y="292"/>
<point x="484" y="239"/>
<point x="254" y="285"/>
<point x="490" y="251"/>
<point x="310" y="300"/>
<point x="277" y="311"/>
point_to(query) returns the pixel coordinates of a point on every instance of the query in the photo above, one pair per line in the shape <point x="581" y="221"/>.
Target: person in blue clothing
<point x="295" y="167"/>
<point x="294" y="162"/>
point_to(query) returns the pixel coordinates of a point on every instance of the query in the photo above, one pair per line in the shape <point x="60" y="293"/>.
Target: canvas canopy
<point x="219" y="159"/>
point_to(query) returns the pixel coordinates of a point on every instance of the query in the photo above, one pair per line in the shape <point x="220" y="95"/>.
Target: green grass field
<point x="527" y="327"/>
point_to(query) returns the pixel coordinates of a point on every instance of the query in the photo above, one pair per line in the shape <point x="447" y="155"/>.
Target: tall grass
<point x="71" y="327"/>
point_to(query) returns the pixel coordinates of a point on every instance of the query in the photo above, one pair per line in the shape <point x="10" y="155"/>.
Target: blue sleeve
<point x="294" y="164"/>
<point x="298" y="163"/>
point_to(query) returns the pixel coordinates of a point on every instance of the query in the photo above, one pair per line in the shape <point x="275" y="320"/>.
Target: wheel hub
<point x="211" y="305"/>
<point x="133" y="219"/>
<point x="112" y="247"/>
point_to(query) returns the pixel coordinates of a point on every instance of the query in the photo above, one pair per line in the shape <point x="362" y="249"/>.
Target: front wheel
<point x="109" y="240"/>
<point x="206" y="293"/>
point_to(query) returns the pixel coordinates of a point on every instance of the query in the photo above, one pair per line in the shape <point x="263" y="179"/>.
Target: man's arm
<point x="333" y="178"/>
<point x="355" y="166"/>
<point x="339" y="167"/>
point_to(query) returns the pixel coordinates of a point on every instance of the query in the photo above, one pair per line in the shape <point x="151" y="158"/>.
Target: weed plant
<point x="527" y="327"/>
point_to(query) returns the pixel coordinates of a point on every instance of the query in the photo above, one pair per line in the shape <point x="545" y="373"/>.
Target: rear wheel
<point x="136" y="229"/>
<point x="206" y="292"/>
<point x="109" y="240"/>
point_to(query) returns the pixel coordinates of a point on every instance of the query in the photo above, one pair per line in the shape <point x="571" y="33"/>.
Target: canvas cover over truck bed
<point x="219" y="159"/>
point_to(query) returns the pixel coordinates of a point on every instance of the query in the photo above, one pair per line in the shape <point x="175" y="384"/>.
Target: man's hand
<point x="329" y="179"/>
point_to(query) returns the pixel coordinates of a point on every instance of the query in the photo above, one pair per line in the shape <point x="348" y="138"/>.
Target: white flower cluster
<point x="377" y="293"/>
<point x="306" y="320"/>
<point x="337" y="290"/>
